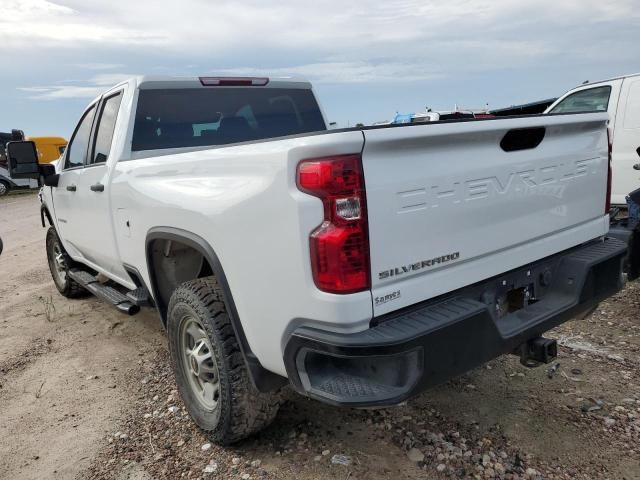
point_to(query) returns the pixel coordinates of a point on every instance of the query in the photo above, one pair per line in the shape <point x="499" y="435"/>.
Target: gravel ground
<point x="87" y="393"/>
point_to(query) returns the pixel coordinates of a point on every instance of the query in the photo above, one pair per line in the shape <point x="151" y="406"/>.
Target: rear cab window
<point x="209" y="116"/>
<point x="588" y="100"/>
<point x="106" y="127"/>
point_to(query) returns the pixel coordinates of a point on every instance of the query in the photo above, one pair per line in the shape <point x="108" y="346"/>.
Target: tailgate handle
<point x="522" y="139"/>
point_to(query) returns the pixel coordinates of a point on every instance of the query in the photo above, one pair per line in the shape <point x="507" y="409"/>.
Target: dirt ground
<point x="86" y="392"/>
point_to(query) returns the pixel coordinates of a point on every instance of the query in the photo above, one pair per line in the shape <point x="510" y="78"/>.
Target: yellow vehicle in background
<point x="49" y="148"/>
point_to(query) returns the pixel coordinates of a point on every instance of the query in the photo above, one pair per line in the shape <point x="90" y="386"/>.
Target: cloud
<point x="98" y="66"/>
<point x="342" y="72"/>
<point x="91" y="88"/>
<point x="67" y="91"/>
<point x="326" y="41"/>
<point x="38" y="23"/>
<point x="429" y="32"/>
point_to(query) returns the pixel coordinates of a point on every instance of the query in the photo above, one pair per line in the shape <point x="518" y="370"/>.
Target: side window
<point x="590" y="100"/>
<point x="632" y="113"/>
<point x="106" y="126"/>
<point x="79" y="143"/>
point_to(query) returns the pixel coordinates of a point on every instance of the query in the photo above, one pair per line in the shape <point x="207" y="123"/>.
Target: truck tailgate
<point x="451" y="204"/>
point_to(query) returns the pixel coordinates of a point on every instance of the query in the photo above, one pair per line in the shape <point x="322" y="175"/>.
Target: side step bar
<point x="105" y="292"/>
<point x="140" y="297"/>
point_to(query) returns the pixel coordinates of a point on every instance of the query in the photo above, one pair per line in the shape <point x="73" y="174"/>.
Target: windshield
<point x="590" y="100"/>
<point x="188" y="117"/>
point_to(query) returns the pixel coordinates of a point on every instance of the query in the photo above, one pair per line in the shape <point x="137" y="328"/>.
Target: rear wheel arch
<point x="157" y="238"/>
<point x="263" y="379"/>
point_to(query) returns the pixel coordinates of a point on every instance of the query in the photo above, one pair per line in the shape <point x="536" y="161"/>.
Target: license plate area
<point x="518" y="290"/>
<point x="515" y="299"/>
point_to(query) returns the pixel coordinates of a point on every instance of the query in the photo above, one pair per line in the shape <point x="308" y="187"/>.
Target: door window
<point x="77" y="149"/>
<point x="106" y="127"/>
<point x="589" y="100"/>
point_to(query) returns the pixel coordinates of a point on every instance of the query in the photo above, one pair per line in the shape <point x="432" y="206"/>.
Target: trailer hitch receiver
<point x="537" y="351"/>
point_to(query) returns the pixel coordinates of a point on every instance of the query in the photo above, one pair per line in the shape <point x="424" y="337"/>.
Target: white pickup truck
<point x="360" y="266"/>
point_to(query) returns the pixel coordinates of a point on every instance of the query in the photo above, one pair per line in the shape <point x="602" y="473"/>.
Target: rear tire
<point x="59" y="264"/>
<point x="209" y="366"/>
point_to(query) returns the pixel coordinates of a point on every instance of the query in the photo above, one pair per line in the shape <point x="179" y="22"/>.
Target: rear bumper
<point x="429" y="343"/>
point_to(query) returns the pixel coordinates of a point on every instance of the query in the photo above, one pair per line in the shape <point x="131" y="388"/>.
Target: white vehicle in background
<point x="360" y="266"/>
<point x="7" y="183"/>
<point x="620" y="97"/>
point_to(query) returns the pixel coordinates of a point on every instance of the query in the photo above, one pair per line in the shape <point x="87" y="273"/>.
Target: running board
<point x="105" y="292"/>
<point x="140" y="297"/>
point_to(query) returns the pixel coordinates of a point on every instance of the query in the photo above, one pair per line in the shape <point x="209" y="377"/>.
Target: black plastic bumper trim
<point x="456" y="333"/>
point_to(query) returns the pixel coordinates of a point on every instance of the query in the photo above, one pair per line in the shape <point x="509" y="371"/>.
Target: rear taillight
<point x="340" y="245"/>
<point x="607" y="204"/>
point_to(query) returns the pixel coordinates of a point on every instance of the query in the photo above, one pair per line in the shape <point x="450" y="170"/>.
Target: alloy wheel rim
<point x="199" y="364"/>
<point x="59" y="263"/>
<point x="3" y="189"/>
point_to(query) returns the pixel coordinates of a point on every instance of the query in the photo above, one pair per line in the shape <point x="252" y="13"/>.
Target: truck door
<point x="65" y="196"/>
<point x="626" y="141"/>
<point x="97" y="243"/>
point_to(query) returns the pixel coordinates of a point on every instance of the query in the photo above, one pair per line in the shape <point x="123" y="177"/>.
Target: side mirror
<point x="638" y="151"/>
<point x="49" y="176"/>
<point x="47" y="169"/>
<point x="52" y="180"/>
<point x="22" y="158"/>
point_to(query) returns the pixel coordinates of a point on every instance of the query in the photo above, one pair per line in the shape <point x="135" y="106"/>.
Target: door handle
<point x="71" y="188"/>
<point x="98" y="187"/>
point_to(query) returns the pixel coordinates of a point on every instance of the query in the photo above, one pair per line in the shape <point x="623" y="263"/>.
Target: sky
<point x="366" y="59"/>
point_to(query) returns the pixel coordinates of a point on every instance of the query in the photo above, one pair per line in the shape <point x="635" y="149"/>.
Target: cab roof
<point x="213" y="81"/>
<point x="621" y="77"/>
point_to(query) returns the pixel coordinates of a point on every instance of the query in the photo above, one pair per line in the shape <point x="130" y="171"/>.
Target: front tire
<point x="59" y="264"/>
<point x="210" y="370"/>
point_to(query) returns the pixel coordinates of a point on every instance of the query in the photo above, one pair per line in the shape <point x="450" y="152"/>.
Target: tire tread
<point x="72" y="288"/>
<point x="249" y="410"/>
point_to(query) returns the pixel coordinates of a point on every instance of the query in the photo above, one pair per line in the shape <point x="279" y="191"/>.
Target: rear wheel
<point x="4" y="188"/>
<point x="59" y="264"/>
<point x="210" y="371"/>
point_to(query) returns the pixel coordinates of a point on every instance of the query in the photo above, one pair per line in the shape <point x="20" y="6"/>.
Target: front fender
<point x="44" y="212"/>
